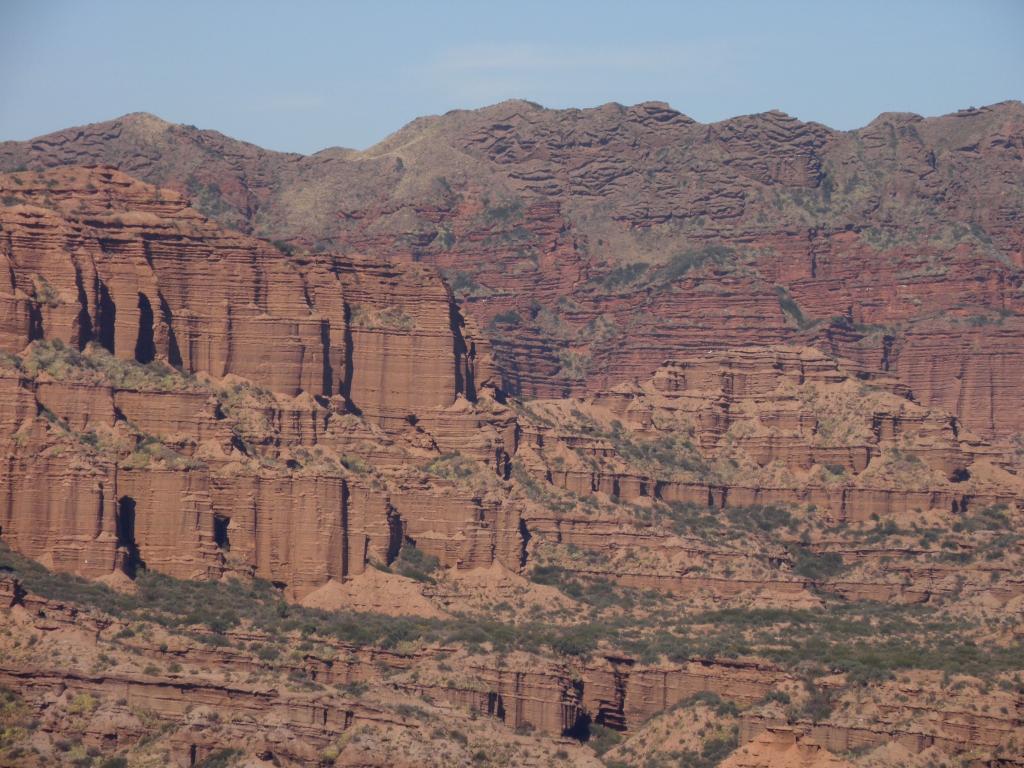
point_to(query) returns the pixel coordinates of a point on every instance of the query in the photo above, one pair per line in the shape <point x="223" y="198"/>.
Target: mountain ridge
<point x="766" y="506"/>
<point x="566" y="231"/>
<point x="144" y="115"/>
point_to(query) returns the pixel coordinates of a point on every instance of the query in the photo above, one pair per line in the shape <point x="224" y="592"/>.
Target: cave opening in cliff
<point x="960" y="475"/>
<point x="496" y="705"/>
<point x="580" y="729"/>
<point x="524" y="543"/>
<point x="107" y="312"/>
<point x="173" y="351"/>
<point x="85" y="329"/>
<point x="125" y="524"/>
<point x="220" y="531"/>
<point x="35" y="322"/>
<point x="396" y="536"/>
<point x="145" y="348"/>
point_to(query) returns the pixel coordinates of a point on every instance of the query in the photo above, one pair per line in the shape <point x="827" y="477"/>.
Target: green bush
<point x="766" y="518"/>
<point x="866" y="640"/>
<point x="267" y="652"/>
<point x="415" y="563"/>
<point x="722" y="707"/>
<point x="687" y="517"/>
<point x="817" y="566"/>
<point x="665" y="455"/>
<point x="452" y="466"/>
<point x="579" y="640"/>
<point x="789" y="306"/>
<point x="818" y="705"/>
<point x="222" y="758"/>
<point x="508" y="210"/>
<point x="354" y="464"/>
<point x="713" y="751"/>
<point x="446" y="239"/>
<point x="599" y="593"/>
<point x="992" y="518"/>
<point x="284" y="247"/>
<point x="683" y="262"/>
<point x="511" y="317"/>
<point x="601" y="738"/>
<point x="64" y="363"/>
<point x="622" y="276"/>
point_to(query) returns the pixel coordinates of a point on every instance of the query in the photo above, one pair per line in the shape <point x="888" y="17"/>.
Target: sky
<point x="302" y="76"/>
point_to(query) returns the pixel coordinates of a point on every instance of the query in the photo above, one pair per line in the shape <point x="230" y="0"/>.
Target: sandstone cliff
<point x="331" y="511"/>
<point x="213" y="364"/>
<point x="598" y="243"/>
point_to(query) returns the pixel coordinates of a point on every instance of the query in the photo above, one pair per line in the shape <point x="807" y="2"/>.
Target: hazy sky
<point x="302" y="76"/>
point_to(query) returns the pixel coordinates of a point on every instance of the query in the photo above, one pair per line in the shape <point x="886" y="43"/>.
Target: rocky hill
<point x="265" y="507"/>
<point x="275" y="503"/>
<point x="595" y="244"/>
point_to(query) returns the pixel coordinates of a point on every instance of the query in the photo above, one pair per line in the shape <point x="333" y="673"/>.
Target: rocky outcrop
<point x="791" y="409"/>
<point x="598" y="243"/>
<point x="784" y="748"/>
<point x="521" y="691"/>
<point x="717" y="439"/>
<point x="307" y="723"/>
<point x="180" y="399"/>
<point x="325" y="352"/>
<point x="95" y="256"/>
<point x="948" y="730"/>
<point x="621" y="694"/>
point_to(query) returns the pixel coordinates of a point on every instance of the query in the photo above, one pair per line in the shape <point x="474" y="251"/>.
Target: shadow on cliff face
<point x="126" y="535"/>
<point x="145" y="347"/>
<point x="580" y="730"/>
<point x="220" y="531"/>
<point x="107" y="312"/>
<point x="596" y="735"/>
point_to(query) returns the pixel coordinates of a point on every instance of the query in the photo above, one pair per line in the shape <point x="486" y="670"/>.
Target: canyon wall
<point x="595" y="244"/>
<point x="303" y="348"/>
<point x="194" y="401"/>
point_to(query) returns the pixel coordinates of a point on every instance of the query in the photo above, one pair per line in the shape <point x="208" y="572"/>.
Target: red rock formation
<point x="623" y="236"/>
<point x="781" y="747"/>
<point x="621" y="694"/>
<point x="97" y="258"/>
<point x="737" y="430"/>
<point x="783" y="407"/>
<point x="153" y="279"/>
<point x="198" y="402"/>
<point x="241" y="490"/>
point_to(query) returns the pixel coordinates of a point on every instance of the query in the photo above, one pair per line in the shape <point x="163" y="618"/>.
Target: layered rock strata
<point x="598" y="243"/>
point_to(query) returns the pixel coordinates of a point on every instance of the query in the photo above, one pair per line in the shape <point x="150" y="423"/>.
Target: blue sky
<point x="302" y="76"/>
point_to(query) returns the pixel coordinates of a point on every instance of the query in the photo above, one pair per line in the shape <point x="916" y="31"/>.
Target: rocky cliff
<point x="181" y="385"/>
<point x="277" y="499"/>
<point x="597" y="243"/>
